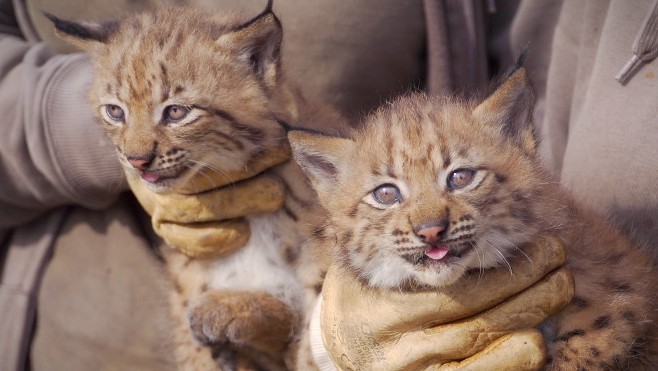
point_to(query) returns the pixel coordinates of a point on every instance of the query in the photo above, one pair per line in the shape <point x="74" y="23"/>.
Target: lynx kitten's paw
<point x="253" y="319"/>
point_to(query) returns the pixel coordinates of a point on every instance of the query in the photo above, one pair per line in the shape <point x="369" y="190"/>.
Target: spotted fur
<point x="180" y="92"/>
<point x="431" y="188"/>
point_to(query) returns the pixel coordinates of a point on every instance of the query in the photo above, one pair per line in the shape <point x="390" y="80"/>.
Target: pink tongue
<point x="150" y="177"/>
<point x="437" y="253"/>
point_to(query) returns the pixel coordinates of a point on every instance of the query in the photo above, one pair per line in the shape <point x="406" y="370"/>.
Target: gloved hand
<point x="480" y="323"/>
<point x="205" y="218"/>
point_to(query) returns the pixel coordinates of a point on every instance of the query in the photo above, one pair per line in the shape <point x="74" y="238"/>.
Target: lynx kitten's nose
<point x="140" y="163"/>
<point x="429" y="234"/>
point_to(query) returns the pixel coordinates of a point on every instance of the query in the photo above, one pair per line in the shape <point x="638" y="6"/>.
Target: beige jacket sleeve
<point x="52" y="152"/>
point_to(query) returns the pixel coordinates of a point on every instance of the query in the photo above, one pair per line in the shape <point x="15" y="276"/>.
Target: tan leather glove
<point x="480" y="323"/>
<point x="205" y="218"/>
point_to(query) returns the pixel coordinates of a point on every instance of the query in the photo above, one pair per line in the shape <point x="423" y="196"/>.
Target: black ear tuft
<point x="265" y="13"/>
<point x="258" y="41"/>
<point x="511" y="70"/>
<point x="284" y="124"/>
<point x="510" y="109"/>
<point x="520" y="60"/>
<point x="82" y="32"/>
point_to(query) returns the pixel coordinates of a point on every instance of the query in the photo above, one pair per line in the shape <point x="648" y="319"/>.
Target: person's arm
<point x="52" y="152"/>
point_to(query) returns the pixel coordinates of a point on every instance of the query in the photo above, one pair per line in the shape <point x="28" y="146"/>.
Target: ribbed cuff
<point x="85" y="158"/>
<point x="320" y="354"/>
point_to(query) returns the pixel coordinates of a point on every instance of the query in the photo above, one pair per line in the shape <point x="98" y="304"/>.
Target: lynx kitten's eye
<point x="386" y="194"/>
<point x="460" y="178"/>
<point x="175" y="113"/>
<point x="115" y="112"/>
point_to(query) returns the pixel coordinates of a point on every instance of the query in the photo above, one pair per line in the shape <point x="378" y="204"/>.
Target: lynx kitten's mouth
<point x="157" y="177"/>
<point x="437" y="252"/>
<point x="434" y="256"/>
<point x="150" y="177"/>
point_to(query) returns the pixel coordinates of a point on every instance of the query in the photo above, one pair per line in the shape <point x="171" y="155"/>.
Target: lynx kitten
<point x="180" y="91"/>
<point x="430" y="189"/>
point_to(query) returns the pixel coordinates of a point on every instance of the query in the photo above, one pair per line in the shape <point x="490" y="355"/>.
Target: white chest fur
<point x="261" y="265"/>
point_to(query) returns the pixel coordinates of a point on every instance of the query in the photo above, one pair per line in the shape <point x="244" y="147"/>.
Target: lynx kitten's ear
<point x="258" y="42"/>
<point x="323" y="158"/>
<point x="510" y="108"/>
<point x="83" y="34"/>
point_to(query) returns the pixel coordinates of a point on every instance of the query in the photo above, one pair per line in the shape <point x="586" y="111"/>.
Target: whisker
<point x="205" y="165"/>
<point x="202" y="172"/>
<point x="516" y="247"/>
<point x="504" y="259"/>
<point x="481" y="266"/>
<point x="194" y="184"/>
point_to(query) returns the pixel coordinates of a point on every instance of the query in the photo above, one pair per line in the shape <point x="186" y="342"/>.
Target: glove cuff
<point x="319" y="351"/>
